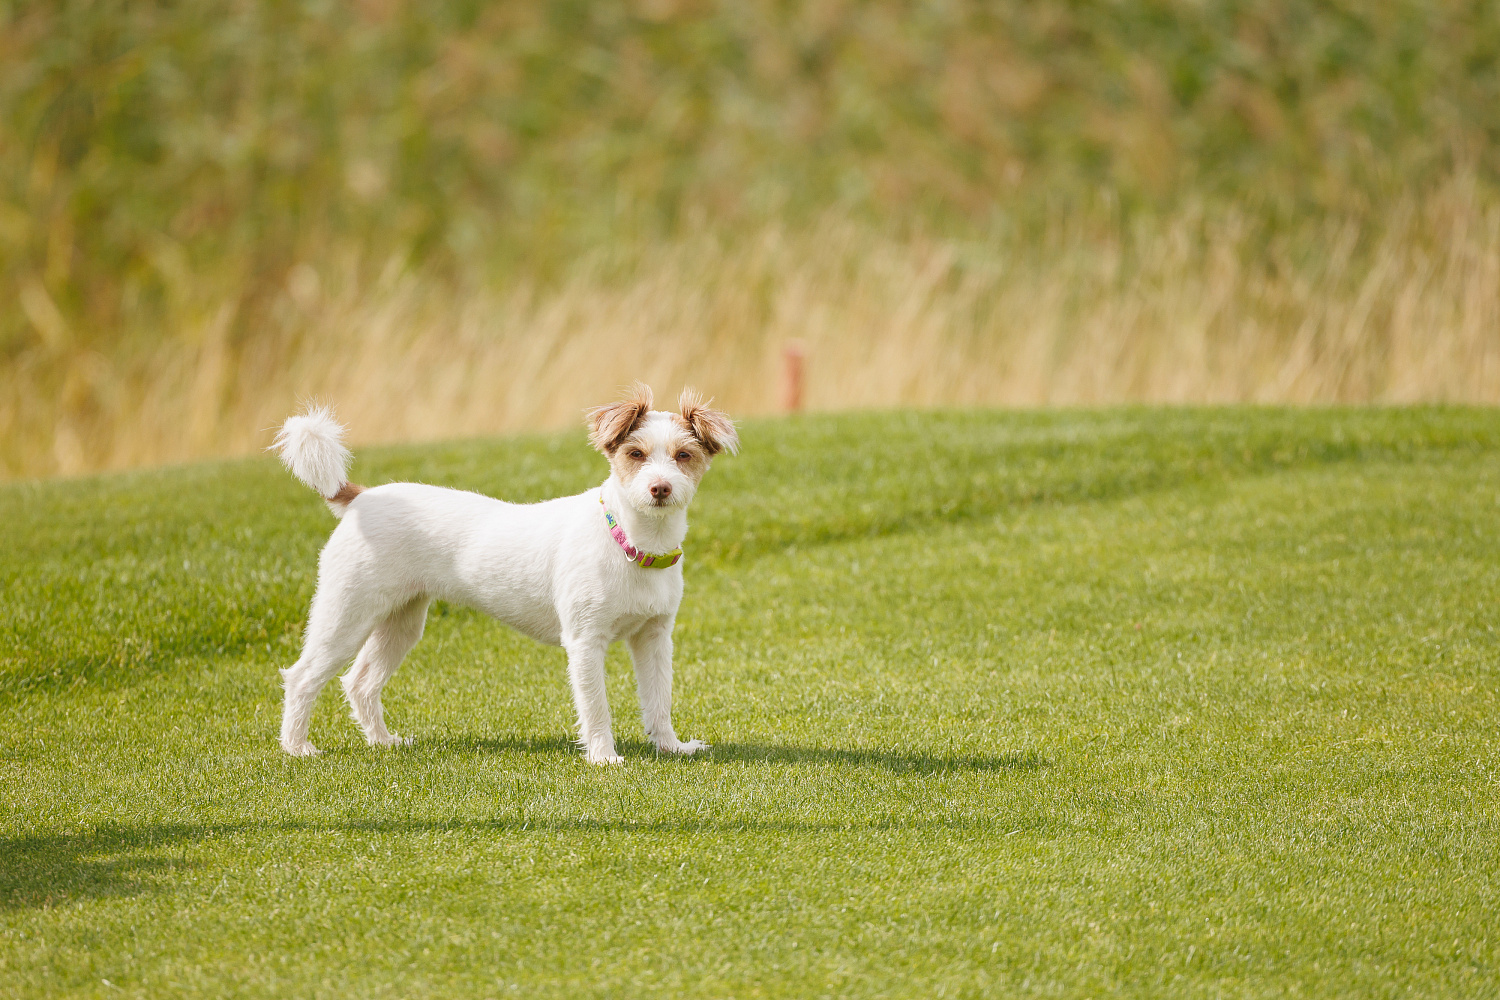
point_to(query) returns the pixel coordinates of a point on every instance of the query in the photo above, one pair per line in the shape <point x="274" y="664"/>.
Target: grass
<point x="1201" y="308"/>
<point x="461" y="219"/>
<point x="1141" y="702"/>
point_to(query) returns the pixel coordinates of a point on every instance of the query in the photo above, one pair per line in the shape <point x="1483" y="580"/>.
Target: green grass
<point x="1144" y="703"/>
<point x="157" y="160"/>
<point x="209" y="210"/>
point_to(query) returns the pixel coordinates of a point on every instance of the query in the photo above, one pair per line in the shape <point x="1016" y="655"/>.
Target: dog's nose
<point x="661" y="489"/>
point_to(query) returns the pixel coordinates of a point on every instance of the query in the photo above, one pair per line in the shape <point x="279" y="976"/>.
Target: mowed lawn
<point x="1132" y="702"/>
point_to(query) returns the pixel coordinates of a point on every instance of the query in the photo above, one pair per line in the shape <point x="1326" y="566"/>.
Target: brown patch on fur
<point x="712" y="428"/>
<point x="625" y="467"/>
<point x="620" y="461"/>
<point x="696" y="466"/>
<point x="610" y="425"/>
<point x="346" y="493"/>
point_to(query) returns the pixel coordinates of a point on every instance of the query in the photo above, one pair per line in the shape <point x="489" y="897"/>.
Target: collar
<point x="646" y="560"/>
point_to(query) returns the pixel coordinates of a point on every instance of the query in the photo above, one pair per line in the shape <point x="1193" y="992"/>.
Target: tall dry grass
<point x="1202" y="307"/>
<point x="964" y="203"/>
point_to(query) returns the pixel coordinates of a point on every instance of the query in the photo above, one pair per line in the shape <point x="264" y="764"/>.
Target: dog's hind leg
<point x="332" y="639"/>
<point x="377" y="661"/>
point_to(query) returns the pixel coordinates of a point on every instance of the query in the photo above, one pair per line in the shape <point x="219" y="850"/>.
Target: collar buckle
<point x="645" y="560"/>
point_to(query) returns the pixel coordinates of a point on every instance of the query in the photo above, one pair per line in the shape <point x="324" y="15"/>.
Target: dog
<point x="578" y="572"/>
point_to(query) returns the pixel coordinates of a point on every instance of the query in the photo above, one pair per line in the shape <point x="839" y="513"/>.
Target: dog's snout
<point x="661" y="489"/>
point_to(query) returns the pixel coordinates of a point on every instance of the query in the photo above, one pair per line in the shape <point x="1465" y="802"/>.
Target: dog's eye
<point x="683" y="456"/>
<point x="636" y="453"/>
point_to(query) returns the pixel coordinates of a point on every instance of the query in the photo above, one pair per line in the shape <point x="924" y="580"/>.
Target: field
<point x="456" y="219"/>
<point x="1139" y="702"/>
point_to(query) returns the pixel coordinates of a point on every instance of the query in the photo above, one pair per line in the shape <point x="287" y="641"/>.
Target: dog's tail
<point x="311" y="446"/>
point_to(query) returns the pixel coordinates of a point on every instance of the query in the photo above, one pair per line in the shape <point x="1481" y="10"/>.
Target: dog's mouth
<point x="671" y="500"/>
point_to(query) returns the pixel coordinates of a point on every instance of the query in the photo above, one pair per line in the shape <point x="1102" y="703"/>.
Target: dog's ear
<point x="612" y="424"/>
<point x="713" y="428"/>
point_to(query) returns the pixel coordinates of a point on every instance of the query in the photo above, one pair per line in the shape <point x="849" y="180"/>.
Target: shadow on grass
<point x="892" y="760"/>
<point x="118" y="862"/>
<point x="107" y="863"/>
<point x="1022" y="760"/>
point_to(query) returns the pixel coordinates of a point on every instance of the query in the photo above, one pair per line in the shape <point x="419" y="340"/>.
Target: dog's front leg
<point x="586" y="673"/>
<point x="651" y="652"/>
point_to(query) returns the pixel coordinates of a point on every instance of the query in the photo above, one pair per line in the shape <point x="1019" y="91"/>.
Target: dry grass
<point x="965" y="203"/>
<point x="1201" y="308"/>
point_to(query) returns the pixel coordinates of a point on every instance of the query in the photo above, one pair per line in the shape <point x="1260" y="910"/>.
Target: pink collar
<point x="646" y="560"/>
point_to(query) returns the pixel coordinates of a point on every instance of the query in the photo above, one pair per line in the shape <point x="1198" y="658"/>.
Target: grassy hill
<point x="1155" y="703"/>
<point x="516" y="132"/>
<point x="209" y="209"/>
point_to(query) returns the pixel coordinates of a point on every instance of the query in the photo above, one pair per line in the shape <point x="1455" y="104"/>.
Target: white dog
<point x="578" y="572"/>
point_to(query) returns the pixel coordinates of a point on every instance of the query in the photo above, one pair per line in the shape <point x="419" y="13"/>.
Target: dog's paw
<point x="683" y="749"/>
<point x="390" y="740"/>
<point x="603" y="757"/>
<point x="604" y="760"/>
<point x="303" y="749"/>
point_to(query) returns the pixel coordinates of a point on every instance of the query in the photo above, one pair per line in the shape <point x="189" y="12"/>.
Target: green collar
<point x="645" y="560"/>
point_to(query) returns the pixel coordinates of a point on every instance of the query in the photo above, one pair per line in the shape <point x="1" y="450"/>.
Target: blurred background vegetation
<point x="458" y="218"/>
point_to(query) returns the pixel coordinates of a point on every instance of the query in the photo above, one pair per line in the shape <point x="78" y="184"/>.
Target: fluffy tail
<point x="311" y="446"/>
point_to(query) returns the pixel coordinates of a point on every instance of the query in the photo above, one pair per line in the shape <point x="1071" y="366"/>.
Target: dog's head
<point x="659" y="457"/>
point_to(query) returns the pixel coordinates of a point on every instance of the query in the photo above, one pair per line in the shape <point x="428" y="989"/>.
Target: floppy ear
<point x="713" y="428"/>
<point x="612" y="424"/>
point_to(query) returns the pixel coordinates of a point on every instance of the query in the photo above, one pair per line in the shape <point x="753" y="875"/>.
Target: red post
<point x="792" y="356"/>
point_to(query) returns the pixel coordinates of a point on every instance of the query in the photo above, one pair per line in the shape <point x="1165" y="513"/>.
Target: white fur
<point x="550" y="570"/>
<point x="311" y="446"/>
